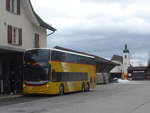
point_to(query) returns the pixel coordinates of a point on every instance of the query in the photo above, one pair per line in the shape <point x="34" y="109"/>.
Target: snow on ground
<point x="123" y="81"/>
<point x="120" y="81"/>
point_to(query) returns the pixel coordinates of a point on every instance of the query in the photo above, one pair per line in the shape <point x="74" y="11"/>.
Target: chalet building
<point x="20" y="28"/>
<point x="139" y="73"/>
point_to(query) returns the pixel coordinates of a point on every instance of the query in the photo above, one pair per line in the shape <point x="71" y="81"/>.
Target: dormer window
<point x="13" y="6"/>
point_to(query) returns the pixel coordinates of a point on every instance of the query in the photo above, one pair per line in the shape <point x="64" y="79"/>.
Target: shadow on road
<point x="33" y="97"/>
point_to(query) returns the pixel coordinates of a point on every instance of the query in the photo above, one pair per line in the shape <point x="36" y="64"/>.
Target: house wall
<point x="20" y="21"/>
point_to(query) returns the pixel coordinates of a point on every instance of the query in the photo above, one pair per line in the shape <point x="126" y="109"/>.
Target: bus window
<point x="38" y="72"/>
<point x="37" y="55"/>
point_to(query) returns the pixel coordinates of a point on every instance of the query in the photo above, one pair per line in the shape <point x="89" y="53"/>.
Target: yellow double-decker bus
<point x="54" y="71"/>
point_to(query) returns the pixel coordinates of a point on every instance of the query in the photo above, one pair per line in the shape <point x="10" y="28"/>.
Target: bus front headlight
<point x="24" y="85"/>
<point x="47" y="85"/>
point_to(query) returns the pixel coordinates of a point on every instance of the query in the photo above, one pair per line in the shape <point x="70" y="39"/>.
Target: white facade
<point x="27" y="21"/>
<point x="126" y="60"/>
<point x="118" y="68"/>
<point x="20" y="28"/>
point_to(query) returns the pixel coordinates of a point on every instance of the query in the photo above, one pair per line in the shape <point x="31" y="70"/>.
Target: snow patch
<point x="123" y="81"/>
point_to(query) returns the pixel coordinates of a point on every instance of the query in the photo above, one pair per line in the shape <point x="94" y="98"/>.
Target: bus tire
<point x="61" y="89"/>
<point x="83" y="87"/>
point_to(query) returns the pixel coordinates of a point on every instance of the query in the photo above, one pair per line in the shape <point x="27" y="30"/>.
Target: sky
<point x="99" y="27"/>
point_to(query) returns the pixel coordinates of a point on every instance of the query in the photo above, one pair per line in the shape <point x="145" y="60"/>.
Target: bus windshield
<point x="36" y="65"/>
<point x="37" y="55"/>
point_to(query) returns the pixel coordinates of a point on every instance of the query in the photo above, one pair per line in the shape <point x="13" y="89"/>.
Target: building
<point x="117" y="70"/>
<point x="103" y="68"/>
<point x="121" y="70"/>
<point x="126" y="62"/>
<point x="139" y="73"/>
<point x="21" y="28"/>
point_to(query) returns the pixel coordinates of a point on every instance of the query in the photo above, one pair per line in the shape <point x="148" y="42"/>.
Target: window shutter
<point x="9" y="34"/>
<point x="20" y="36"/>
<point x="37" y="45"/>
<point x="18" y="7"/>
<point x="8" y="5"/>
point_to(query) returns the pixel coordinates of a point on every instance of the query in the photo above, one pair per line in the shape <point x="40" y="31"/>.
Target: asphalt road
<point x="132" y="97"/>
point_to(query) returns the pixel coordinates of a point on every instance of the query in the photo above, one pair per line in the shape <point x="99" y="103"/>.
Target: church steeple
<point x="126" y="62"/>
<point x="126" y="50"/>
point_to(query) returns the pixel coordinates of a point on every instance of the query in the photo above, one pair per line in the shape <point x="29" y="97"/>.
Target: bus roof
<point x="71" y="52"/>
<point x="54" y="49"/>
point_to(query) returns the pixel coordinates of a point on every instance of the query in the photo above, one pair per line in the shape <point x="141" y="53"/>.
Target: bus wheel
<point x="87" y="87"/>
<point x="61" y="90"/>
<point x="83" y="87"/>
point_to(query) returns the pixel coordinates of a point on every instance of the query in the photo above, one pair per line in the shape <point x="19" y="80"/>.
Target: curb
<point x="9" y="96"/>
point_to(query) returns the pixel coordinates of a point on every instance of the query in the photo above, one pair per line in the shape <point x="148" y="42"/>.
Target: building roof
<point x="137" y="68"/>
<point x="41" y="22"/>
<point x="105" y="60"/>
<point x="44" y="24"/>
<point x="117" y="58"/>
